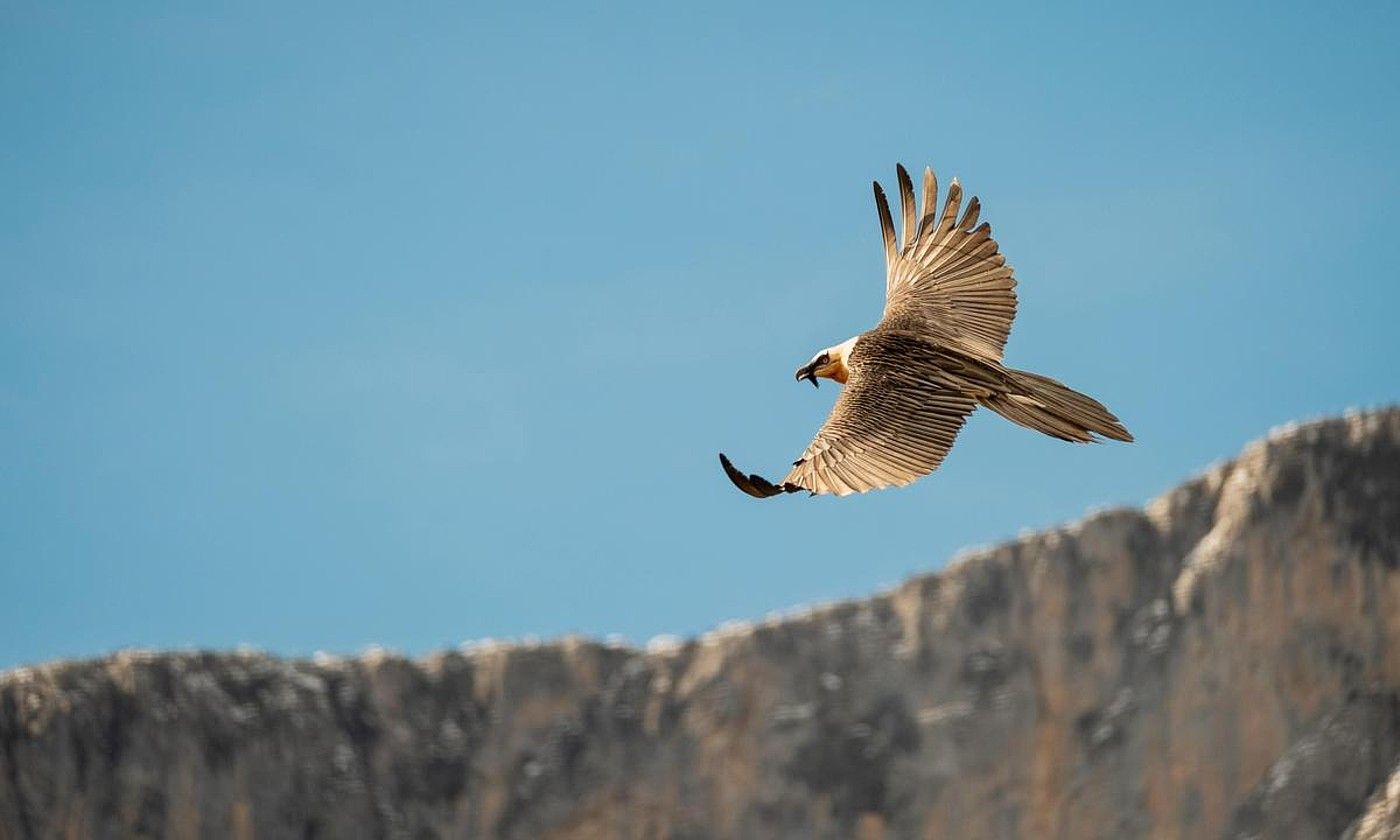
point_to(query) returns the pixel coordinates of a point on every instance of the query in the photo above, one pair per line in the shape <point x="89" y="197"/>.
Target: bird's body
<point x="934" y="357"/>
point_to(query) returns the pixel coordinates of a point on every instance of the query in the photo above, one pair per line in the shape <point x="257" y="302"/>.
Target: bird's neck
<point x="840" y="357"/>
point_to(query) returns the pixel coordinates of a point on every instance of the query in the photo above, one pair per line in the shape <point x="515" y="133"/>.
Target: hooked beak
<point x="808" y="372"/>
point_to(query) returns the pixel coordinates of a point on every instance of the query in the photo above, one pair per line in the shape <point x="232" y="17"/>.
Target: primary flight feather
<point x="911" y="382"/>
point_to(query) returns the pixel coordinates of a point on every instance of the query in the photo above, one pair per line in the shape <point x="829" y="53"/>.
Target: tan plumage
<point x="935" y="356"/>
<point x="949" y="280"/>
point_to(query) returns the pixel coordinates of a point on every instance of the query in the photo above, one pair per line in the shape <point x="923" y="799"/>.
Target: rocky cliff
<point x="1225" y="662"/>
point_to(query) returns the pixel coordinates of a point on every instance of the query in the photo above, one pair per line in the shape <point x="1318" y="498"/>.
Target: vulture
<point x="911" y="381"/>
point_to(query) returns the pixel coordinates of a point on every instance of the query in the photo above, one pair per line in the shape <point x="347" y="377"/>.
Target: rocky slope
<point x="1223" y="663"/>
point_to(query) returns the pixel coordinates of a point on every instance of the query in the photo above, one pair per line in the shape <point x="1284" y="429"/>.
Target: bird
<point x="910" y="383"/>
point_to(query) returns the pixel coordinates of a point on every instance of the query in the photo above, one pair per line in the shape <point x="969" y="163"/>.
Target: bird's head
<point x="829" y="364"/>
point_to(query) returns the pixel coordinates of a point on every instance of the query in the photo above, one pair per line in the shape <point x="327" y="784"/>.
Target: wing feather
<point x="886" y="230"/>
<point x="930" y="201"/>
<point x="948" y="280"/>
<point x="906" y="202"/>
<point x="892" y="424"/>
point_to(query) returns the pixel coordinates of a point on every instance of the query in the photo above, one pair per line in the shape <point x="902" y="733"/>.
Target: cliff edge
<point x="1225" y="662"/>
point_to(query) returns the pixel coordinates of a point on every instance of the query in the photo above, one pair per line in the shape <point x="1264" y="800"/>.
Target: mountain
<point x="1225" y="662"/>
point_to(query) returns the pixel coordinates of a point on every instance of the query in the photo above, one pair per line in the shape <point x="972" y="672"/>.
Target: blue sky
<point x="336" y="325"/>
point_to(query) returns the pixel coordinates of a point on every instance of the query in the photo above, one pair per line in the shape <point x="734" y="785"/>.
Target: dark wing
<point x="948" y="280"/>
<point x="890" y="426"/>
<point x="753" y="484"/>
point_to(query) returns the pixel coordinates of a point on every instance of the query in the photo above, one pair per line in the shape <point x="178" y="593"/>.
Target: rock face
<point x="1223" y="663"/>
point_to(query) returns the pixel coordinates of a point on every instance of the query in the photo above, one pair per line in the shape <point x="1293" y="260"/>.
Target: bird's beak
<point x="808" y="372"/>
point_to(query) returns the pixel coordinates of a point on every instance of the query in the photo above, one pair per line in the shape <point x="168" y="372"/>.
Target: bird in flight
<point x="911" y="382"/>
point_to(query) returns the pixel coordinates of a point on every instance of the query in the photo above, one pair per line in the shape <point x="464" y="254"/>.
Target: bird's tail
<point x="1040" y="403"/>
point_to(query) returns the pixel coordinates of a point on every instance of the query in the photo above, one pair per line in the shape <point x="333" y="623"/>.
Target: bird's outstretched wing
<point x="948" y="280"/>
<point x="890" y="426"/>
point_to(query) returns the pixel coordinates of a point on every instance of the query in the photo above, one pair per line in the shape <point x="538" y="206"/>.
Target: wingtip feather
<point x="753" y="484"/>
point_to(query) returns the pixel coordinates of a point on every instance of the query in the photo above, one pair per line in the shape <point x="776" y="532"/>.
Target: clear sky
<point x="324" y="325"/>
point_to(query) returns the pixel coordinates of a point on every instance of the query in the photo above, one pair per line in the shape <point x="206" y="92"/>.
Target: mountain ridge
<point x="1196" y="667"/>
